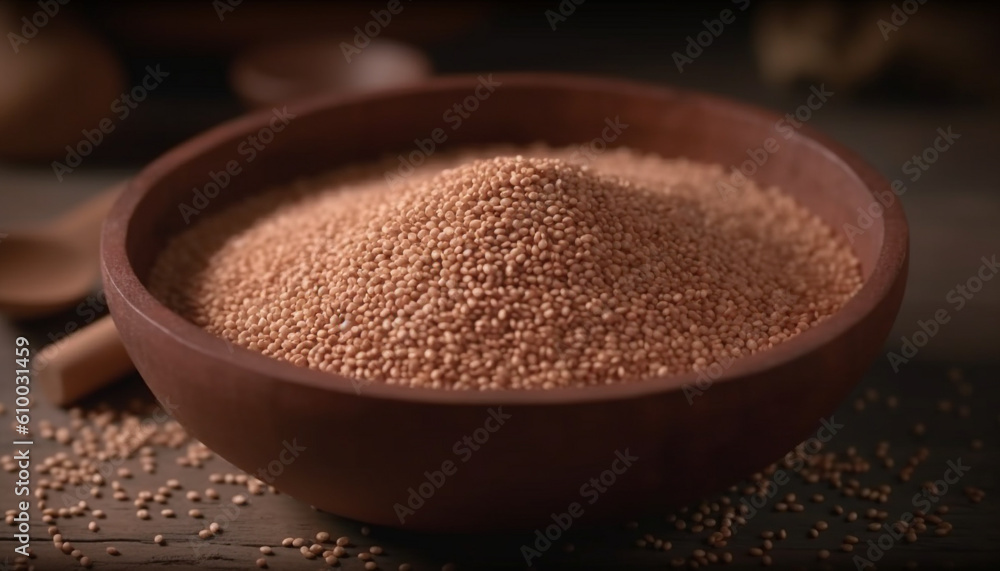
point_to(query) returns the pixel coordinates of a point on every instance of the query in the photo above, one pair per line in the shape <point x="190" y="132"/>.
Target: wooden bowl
<point x="363" y="450"/>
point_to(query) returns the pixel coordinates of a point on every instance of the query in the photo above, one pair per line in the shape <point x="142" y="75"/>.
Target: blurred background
<point x="90" y="92"/>
<point x="142" y="77"/>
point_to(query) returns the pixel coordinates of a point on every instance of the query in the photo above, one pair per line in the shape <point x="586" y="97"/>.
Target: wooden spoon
<point x="48" y="269"/>
<point x="82" y="362"/>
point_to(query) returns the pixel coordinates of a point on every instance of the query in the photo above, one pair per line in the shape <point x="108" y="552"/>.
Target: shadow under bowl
<point x="365" y="451"/>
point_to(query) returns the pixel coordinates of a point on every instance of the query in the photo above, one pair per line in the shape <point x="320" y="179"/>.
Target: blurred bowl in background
<point x="60" y="80"/>
<point x="272" y="73"/>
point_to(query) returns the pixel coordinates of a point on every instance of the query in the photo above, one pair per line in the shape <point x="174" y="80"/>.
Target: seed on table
<point x="262" y="563"/>
<point x="767" y="545"/>
<point x="193" y="496"/>
<point x="287" y="542"/>
<point x="371" y="566"/>
<point x="214" y="527"/>
<point x="298" y="542"/>
<point x="266" y="550"/>
<point x="823" y="554"/>
<point x="756" y="551"/>
<point x="821" y="525"/>
<point x="240" y="500"/>
<point x="364" y="556"/>
<point x="852" y="516"/>
<point x="331" y="560"/>
<point x="874" y="526"/>
<point x="67" y="547"/>
<point x="99" y="514"/>
<point x="142" y="514"/>
<point x="343" y="541"/>
<point x="375" y="550"/>
<point x="306" y="553"/>
<point x="405" y="567"/>
<point x="85" y="561"/>
<point x="919" y="429"/>
<point x="322" y="537"/>
<point x="339" y="551"/>
<point x="205" y="534"/>
<point x="316" y="548"/>
<point x="215" y="478"/>
<point x="813" y="533"/>
<point x="158" y="539"/>
<point x="211" y="494"/>
<point x="851" y="539"/>
<point x="113" y="551"/>
<point x="92" y="526"/>
<point x="194" y="513"/>
<point x="167" y="513"/>
<point x="847" y="548"/>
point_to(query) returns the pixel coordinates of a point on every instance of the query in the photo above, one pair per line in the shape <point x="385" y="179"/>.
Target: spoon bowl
<point x="43" y="275"/>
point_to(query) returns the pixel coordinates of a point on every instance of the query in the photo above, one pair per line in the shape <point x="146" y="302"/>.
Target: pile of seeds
<point x="513" y="272"/>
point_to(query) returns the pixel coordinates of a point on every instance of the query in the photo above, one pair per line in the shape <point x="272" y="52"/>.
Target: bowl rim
<point x="120" y="275"/>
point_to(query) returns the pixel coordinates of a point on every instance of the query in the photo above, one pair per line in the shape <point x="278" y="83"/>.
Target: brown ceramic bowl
<point x="357" y="450"/>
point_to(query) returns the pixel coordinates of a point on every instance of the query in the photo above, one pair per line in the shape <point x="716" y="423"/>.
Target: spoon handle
<point x="82" y="362"/>
<point x="83" y="222"/>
